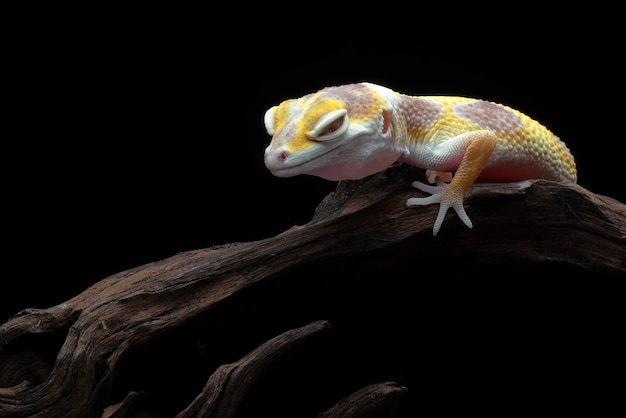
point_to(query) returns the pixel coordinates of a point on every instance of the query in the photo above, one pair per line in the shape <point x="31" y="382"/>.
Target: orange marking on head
<point x="386" y="120"/>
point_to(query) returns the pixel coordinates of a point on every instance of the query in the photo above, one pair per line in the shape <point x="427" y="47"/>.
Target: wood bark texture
<point x="359" y="313"/>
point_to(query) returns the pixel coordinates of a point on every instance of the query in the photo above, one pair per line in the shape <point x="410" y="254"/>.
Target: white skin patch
<point x="417" y="112"/>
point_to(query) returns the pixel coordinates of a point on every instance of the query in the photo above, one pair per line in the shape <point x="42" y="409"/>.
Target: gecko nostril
<point x="283" y="156"/>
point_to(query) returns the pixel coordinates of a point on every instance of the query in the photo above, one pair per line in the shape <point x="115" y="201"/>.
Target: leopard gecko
<point x="355" y="130"/>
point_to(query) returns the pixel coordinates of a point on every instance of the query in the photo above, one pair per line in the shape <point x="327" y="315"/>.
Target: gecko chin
<point x="304" y="169"/>
<point x="296" y="170"/>
<point x="285" y="172"/>
<point x="280" y="169"/>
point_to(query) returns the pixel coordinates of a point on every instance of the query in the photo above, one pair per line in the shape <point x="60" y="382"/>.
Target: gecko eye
<point x="330" y="126"/>
<point x="268" y="119"/>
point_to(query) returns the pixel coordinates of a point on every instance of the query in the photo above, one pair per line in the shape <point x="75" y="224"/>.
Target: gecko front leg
<point x="475" y="148"/>
<point x="446" y="199"/>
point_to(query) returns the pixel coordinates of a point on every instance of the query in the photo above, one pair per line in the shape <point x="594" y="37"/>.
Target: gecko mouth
<point x="292" y="170"/>
<point x="278" y="164"/>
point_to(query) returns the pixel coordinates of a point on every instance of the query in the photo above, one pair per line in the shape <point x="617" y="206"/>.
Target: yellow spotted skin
<point x="312" y="110"/>
<point x="520" y="139"/>
<point x="355" y="130"/>
<point x="283" y="113"/>
<point x="362" y="107"/>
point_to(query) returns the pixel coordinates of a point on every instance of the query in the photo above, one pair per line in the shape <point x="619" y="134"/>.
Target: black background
<point x="132" y="135"/>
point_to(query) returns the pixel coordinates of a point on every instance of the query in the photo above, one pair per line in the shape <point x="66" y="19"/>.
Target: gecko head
<point x="337" y="133"/>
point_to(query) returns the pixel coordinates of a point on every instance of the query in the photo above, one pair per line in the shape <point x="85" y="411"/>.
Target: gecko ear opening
<point x="330" y="126"/>
<point x="268" y="119"/>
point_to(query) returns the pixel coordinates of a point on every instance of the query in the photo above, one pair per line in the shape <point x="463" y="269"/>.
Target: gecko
<point x="351" y="131"/>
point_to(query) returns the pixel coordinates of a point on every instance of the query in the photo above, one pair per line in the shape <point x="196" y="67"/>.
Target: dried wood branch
<point x="163" y="334"/>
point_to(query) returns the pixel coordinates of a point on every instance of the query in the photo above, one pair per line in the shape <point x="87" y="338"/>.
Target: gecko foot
<point x="447" y="198"/>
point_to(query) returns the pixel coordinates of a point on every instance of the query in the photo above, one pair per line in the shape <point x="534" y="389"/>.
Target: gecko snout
<point x="276" y="159"/>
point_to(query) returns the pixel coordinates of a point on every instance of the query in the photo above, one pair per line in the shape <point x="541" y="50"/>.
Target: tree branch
<point x="191" y="313"/>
